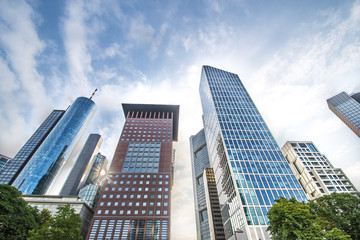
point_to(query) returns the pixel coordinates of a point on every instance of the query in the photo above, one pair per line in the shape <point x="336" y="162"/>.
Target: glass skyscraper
<point x="39" y="172"/>
<point x="82" y="165"/>
<point x="89" y="187"/>
<point x="207" y="209"/>
<point x="249" y="168"/>
<point x="13" y="168"/>
<point x="347" y="108"/>
<point x="135" y="201"/>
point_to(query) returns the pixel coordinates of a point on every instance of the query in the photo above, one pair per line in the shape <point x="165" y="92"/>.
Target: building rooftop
<point x="156" y="108"/>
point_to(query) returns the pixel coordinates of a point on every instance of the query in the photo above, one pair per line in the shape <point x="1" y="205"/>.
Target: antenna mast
<point x="93" y="94"/>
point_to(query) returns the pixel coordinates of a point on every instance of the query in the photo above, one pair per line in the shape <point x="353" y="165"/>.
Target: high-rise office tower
<point x="314" y="171"/>
<point x="207" y="209"/>
<point x="347" y="108"/>
<point x="82" y="166"/>
<point x="249" y="168"/>
<point x="41" y="169"/>
<point x="91" y="186"/>
<point x="135" y="201"/>
<point x="13" y="168"/>
<point x="4" y="160"/>
<point x="97" y="172"/>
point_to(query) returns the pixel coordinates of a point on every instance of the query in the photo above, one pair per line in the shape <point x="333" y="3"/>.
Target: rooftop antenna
<point x="93" y="94"/>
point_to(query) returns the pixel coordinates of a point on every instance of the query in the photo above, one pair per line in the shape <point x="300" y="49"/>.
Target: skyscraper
<point x="347" y="108"/>
<point x="39" y="172"/>
<point x="314" y="171"/>
<point x="82" y="166"/>
<point x="249" y="168"/>
<point x="4" y="160"/>
<point x="89" y="188"/>
<point x="135" y="201"/>
<point x="97" y="172"/>
<point x="207" y="209"/>
<point x="13" y="168"/>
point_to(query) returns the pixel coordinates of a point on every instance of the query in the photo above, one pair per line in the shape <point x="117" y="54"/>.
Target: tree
<point x="290" y="219"/>
<point x="341" y="209"/>
<point x="16" y="216"/>
<point x="64" y="225"/>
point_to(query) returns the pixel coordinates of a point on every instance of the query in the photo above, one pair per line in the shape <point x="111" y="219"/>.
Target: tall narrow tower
<point x="135" y="201"/>
<point x="249" y="169"/>
<point x="82" y="166"/>
<point x="209" y="223"/>
<point x="11" y="170"/>
<point x="41" y="169"/>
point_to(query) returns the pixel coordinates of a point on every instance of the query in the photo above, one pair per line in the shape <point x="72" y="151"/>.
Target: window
<point x="203" y="215"/>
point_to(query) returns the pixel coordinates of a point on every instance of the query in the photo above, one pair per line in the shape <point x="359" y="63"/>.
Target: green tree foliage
<point x="64" y="225"/>
<point x="290" y="220"/>
<point x="16" y="216"/>
<point x="341" y="209"/>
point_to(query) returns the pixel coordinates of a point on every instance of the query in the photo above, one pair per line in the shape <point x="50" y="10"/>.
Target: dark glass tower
<point x="249" y="169"/>
<point x="82" y="166"/>
<point x="13" y="168"/>
<point x="39" y="172"/>
<point x="135" y="201"/>
<point x="347" y="108"/>
<point x="207" y="209"/>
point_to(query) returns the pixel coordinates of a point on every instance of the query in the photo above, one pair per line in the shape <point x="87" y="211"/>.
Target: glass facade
<point x="316" y="174"/>
<point x="4" y="160"/>
<point x="97" y="172"/>
<point x="82" y="165"/>
<point x="207" y="209"/>
<point x="90" y="187"/>
<point x="249" y="168"/>
<point x="347" y="108"/>
<point x="38" y="174"/>
<point x="90" y="194"/>
<point x="12" y="170"/>
<point x="135" y="200"/>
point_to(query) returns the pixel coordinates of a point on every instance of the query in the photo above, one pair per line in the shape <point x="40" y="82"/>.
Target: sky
<point x="290" y="55"/>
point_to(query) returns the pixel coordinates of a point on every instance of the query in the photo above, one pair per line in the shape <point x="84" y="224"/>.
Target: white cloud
<point x="140" y="31"/>
<point x="76" y="45"/>
<point x="112" y="51"/>
<point x="23" y="92"/>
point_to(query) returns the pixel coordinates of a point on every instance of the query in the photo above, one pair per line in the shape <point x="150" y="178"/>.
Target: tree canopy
<point x="16" y="216"/>
<point x="64" y="225"/>
<point x="290" y="220"/>
<point x="19" y="221"/>
<point x="341" y="209"/>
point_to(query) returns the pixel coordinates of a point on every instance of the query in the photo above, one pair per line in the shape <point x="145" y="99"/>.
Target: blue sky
<point x="291" y="56"/>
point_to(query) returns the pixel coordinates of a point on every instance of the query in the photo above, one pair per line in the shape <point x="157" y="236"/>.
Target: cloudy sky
<point x="290" y="55"/>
